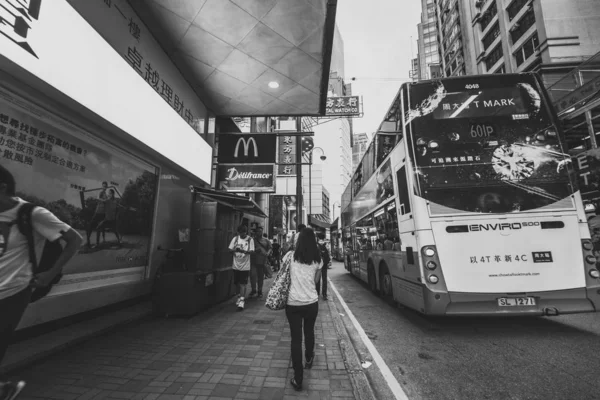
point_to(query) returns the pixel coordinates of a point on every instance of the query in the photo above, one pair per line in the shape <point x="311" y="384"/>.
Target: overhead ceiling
<point x="230" y="51"/>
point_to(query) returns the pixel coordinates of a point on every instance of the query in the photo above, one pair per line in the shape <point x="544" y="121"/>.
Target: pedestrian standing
<point x="321" y="285"/>
<point x="258" y="260"/>
<point x="16" y="275"/>
<point x="242" y="246"/>
<point x="303" y="301"/>
<point x="276" y="255"/>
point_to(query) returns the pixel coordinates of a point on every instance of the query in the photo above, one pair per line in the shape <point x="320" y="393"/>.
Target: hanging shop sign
<point x="247" y="148"/>
<point x="287" y="156"/>
<point x="343" y="106"/>
<point x="38" y="37"/>
<point x="247" y="178"/>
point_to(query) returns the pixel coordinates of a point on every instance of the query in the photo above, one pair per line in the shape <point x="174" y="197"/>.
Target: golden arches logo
<point x="246" y="144"/>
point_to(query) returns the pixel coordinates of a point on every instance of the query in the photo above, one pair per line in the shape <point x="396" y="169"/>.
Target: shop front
<point x="77" y="124"/>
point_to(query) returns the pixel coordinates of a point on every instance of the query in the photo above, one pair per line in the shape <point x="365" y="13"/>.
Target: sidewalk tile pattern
<point x="219" y="354"/>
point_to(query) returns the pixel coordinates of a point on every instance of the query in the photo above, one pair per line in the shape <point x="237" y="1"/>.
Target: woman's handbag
<point x="280" y="290"/>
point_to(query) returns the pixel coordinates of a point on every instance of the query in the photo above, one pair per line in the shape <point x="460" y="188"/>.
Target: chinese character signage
<point x="287" y="156"/>
<point x="247" y="148"/>
<point x="120" y="26"/>
<point x="54" y="42"/>
<point x="343" y="106"/>
<point x="246" y="178"/>
<point x="108" y="196"/>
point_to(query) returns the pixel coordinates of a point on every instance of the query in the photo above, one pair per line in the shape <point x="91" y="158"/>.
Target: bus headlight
<point x="590" y="259"/>
<point x="434" y="279"/>
<point x="433" y="144"/>
<point x="429" y="252"/>
<point x="551" y="132"/>
<point x="587" y="245"/>
<point x="594" y="273"/>
<point x="431" y="265"/>
<point x="540" y="137"/>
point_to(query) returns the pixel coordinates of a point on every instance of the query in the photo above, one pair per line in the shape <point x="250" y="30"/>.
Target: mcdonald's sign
<point x="247" y="148"/>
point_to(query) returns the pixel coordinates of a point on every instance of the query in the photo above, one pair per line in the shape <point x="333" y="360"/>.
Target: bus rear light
<point x="590" y="259"/>
<point x="434" y="279"/>
<point x="594" y="273"/>
<point x="587" y="245"/>
<point x="431" y="265"/>
<point x="429" y="252"/>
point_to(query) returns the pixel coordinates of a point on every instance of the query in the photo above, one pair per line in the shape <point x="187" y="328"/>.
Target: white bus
<point x="472" y="208"/>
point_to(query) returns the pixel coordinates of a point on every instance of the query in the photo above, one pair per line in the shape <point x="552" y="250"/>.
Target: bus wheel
<point x="371" y="278"/>
<point x="385" y="283"/>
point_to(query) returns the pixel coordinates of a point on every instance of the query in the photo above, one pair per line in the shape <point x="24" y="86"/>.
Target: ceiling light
<point x="273" y="85"/>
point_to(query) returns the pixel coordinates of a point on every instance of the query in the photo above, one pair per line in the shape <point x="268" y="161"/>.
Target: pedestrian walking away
<point x="242" y="246"/>
<point x="303" y="301"/>
<point x="276" y="255"/>
<point x="259" y="258"/>
<point x="17" y="277"/>
<point x="322" y="284"/>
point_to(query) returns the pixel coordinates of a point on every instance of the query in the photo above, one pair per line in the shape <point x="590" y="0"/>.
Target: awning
<point x="239" y="203"/>
<point x="249" y="57"/>
<point x="319" y="220"/>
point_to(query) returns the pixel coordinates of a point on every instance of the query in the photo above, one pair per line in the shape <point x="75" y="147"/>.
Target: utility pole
<point x="298" y="173"/>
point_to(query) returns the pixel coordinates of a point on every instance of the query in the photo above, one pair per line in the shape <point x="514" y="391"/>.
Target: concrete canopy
<point x="233" y="52"/>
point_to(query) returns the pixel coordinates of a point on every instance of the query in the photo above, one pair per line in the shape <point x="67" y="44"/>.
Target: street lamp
<point x="323" y="158"/>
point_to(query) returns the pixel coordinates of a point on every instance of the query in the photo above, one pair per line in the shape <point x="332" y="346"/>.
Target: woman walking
<point x="303" y="301"/>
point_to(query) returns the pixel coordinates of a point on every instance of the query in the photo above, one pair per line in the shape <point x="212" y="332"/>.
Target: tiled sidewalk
<point x="219" y="354"/>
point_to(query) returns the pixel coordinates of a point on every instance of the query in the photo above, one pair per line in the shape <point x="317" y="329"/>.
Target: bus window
<point x="403" y="194"/>
<point x="392" y="234"/>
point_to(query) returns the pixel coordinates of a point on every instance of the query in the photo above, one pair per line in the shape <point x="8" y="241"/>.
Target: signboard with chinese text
<point x="247" y="148"/>
<point x="247" y="178"/>
<point x="120" y="26"/>
<point x="343" y="106"/>
<point x="287" y="155"/>
<point x="51" y="51"/>
<point x="106" y="195"/>
<point x="510" y="255"/>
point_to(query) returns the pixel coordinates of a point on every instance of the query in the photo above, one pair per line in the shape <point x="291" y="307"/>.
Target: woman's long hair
<point x="307" y="251"/>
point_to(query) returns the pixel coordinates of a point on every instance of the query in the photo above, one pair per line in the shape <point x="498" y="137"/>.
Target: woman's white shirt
<point x="303" y="289"/>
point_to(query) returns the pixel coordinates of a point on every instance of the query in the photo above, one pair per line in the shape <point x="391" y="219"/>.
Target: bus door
<point x="409" y="274"/>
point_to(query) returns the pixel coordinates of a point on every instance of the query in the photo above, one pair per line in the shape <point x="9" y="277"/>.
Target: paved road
<point x="474" y="358"/>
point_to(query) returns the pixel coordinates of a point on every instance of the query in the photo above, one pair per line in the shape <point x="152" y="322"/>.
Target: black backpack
<point x="51" y="252"/>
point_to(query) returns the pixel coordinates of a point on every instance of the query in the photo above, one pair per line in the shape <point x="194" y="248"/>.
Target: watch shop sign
<point x="342" y="106"/>
<point x="247" y="178"/>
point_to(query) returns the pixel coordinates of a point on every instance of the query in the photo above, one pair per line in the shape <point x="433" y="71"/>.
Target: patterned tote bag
<point x="278" y="294"/>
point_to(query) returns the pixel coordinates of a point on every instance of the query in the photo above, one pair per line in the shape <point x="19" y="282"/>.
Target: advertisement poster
<point x="378" y="189"/>
<point x="247" y="178"/>
<point x="107" y="196"/>
<point x="486" y="144"/>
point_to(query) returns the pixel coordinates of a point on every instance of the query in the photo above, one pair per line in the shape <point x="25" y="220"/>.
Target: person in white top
<point x="242" y="246"/>
<point x="16" y="275"/>
<point x="303" y="301"/>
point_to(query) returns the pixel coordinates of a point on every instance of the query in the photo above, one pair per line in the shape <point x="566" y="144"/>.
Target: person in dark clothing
<point x="326" y="262"/>
<point x="276" y="257"/>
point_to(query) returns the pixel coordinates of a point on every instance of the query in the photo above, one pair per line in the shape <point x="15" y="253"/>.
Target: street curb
<point x="360" y="383"/>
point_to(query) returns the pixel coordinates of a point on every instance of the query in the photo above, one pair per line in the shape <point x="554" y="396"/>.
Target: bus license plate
<point x="516" y="301"/>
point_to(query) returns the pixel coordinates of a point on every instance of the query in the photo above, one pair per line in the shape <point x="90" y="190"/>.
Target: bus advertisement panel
<point x="487" y="144"/>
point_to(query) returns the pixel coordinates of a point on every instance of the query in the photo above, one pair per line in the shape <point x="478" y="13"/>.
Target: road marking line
<point x="389" y="377"/>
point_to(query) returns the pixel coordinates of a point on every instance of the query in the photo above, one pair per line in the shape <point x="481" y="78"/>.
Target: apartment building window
<point x="500" y="70"/>
<point x="514" y="8"/>
<point x="494" y="56"/>
<point x="491" y="36"/>
<point x="519" y="29"/>
<point x="527" y="49"/>
<point x="488" y="16"/>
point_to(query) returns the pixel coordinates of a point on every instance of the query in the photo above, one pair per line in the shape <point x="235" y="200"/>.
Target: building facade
<point x="503" y="36"/>
<point x="428" y="46"/>
<point x="359" y="147"/>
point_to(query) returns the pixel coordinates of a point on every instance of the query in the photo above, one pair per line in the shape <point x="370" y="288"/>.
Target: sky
<point x="377" y="46"/>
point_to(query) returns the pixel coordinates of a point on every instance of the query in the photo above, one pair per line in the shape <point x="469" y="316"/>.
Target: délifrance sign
<point x="247" y="178"/>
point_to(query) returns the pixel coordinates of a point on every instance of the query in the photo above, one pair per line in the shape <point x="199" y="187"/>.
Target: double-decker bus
<point x="473" y="206"/>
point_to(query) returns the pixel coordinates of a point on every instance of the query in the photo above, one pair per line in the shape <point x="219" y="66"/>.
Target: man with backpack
<point x="326" y="262"/>
<point x="25" y="234"/>
<point x="242" y="246"/>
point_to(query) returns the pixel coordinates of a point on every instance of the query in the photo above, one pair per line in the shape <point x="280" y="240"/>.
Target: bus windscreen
<point x="487" y="145"/>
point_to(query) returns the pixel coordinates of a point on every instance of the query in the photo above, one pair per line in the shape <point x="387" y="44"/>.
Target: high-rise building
<point x="428" y="59"/>
<point x="359" y="147"/>
<point x="414" y="70"/>
<point x="497" y="36"/>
